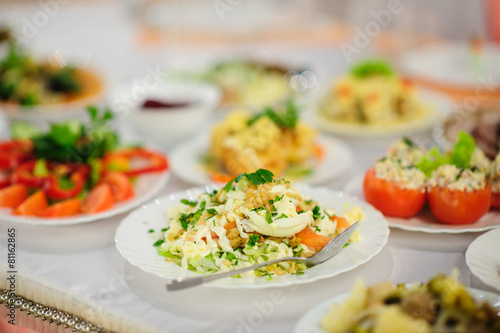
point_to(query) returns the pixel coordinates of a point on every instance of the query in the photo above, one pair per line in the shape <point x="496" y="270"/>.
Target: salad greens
<point x="29" y="83"/>
<point x="460" y="156"/>
<point x="72" y="141"/>
<point x="372" y="67"/>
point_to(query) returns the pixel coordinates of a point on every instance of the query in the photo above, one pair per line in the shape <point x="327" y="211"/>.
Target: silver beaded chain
<point x="53" y="315"/>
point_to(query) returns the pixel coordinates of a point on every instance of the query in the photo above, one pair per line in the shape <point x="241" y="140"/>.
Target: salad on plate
<point x="254" y="218"/>
<point x="71" y="169"/>
<point x="441" y="305"/>
<point x="27" y="83"/>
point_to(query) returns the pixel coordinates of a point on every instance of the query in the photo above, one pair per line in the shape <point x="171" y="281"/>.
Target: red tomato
<point x="34" y="205"/>
<point x="120" y="185"/>
<point x="310" y="238"/>
<point x="14" y="152"/>
<point x="390" y="199"/>
<point x="64" y="208"/>
<point x="495" y="200"/>
<point x="459" y="207"/>
<point x="99" y="199"/>
<point x="12" y="196"/>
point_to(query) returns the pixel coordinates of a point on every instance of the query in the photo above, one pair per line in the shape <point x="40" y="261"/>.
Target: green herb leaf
<point x="159" y="242"/>
<point x="462" y="152"/>
<point x="269" y="218"/>
<point x="189" y="203"/>
<point x="258" y="177"/>
<point x="151" y="231"/>
<point x="316" y="212"/>
<point x="253" y="239"/>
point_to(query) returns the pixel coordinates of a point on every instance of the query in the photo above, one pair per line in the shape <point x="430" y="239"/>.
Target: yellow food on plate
<point x="372" y="94"/>
<point x="441" y="305"/>
<point x="272" y="140"/>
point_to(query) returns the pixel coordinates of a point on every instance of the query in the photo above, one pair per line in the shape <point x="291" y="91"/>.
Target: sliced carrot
<point x="310" y="238"/>
<point x="220" y="177"/>
<point x="12" y="196"/>
<point x="67" y="207"/>
<point x="34" y="205"/>
<point x="341" y="222"/>
<point x="99" y="199"/>
<point x="120" y="185"/>
<point x="319" y="151"/>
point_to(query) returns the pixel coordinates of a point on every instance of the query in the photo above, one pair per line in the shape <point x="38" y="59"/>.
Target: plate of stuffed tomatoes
<point x="75" y="173"/>
<point x="433" y="191"/>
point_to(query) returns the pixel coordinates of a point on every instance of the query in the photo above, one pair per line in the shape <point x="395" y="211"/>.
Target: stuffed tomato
<point x="458" y="196"/>
<point x="395" y="190"/>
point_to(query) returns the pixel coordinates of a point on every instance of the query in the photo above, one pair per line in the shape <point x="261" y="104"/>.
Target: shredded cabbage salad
<point x="253" y="219"/>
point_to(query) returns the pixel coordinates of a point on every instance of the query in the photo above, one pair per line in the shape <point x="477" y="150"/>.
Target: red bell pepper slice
<point x="23" y="174"/>
<point x="14" y="152"/>
<point x="157" y="162"/>
<point x="53" y="189"/>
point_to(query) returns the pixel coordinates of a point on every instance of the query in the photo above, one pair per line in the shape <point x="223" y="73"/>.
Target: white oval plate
<point x="185" y="161"/>
<point x="145" y="187"/>
<point x="483" y="258"/>
<point x="136" y="245"/>
<point x="310" y="322"/>
<point x="437" y="104"/>
<point x="425" y="221"/>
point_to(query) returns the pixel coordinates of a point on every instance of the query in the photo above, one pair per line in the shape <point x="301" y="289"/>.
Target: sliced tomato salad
<point x="50" y="189"/>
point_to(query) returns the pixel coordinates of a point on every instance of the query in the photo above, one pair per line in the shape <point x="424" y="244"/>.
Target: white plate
<point x="425" y="221"/>
<point x="136" y="245"/>
<point x="483" y="258"/>
<point x="185" y="161"/>
<point x="437" y="107"/>
<point x="453" y="64"/>
<point x="145" y="188"/>
<point x="311" y="321"/>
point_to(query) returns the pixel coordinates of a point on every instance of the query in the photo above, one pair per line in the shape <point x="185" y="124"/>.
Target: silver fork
<point x="327" y="252"/>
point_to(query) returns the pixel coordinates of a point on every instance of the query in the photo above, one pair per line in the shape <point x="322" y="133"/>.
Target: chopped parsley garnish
<point x="276" y="199"/>
<point x="158" y="242"/>
<point x="282" y="216"/>
<point x="317" y="228"/>
<point x="151" y="231"/>
<point x="189" y="203"/>
<point x="346" y="245"/>
<point x="165" y="229"/>
<point x="316" y="212"/>
<point x="252" y="240"/>
<point x="211" y="213"/>
<point x="308" y="201"/>
<point x="269" y="218"/>
<point x="258" y="177"/>
<point x="191" y="218"/>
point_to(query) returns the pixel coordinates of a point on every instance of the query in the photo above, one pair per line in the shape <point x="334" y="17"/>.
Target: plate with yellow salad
<point x="275" y="139"/>
<point x="254" y="218"/>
